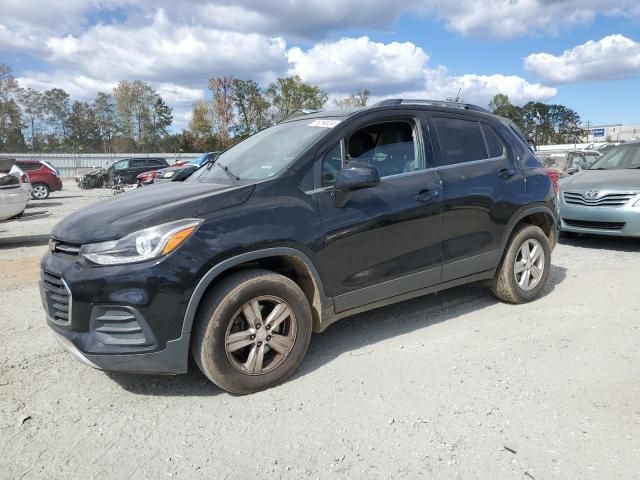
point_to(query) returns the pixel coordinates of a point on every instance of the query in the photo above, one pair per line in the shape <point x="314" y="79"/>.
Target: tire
<point x="40" y="191"/>
<point x="513" y="287"/>
<point x="221" y="315"/>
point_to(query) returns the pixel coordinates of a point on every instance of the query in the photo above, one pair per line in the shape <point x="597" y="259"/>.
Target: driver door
<point x="386" y="240"/>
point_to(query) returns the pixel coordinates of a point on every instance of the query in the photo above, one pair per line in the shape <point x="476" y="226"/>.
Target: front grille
<point x="65" y="249"/>
<point x="608" y="200"/>
<point x="594" y="225"/>
<point x="57" y="298"/>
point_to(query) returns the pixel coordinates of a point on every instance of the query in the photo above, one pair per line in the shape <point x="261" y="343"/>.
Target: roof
<point x="397" y="104"/>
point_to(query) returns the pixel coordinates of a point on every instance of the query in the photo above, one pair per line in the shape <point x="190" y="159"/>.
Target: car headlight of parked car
<point x="168" y="174"/>
<point x="142" y="245"/>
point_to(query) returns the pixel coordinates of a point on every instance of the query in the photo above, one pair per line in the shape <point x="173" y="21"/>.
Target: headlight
<point x="142" y="245"/>
<point x="168" y="174"/>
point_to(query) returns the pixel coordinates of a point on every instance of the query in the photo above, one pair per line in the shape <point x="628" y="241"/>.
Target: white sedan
<point x="14" y="193"/>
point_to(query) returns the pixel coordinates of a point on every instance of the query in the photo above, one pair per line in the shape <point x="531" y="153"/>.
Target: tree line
<point x="542" y="123"/>
<point x="240" y="108"/>
<point x="134" y="117"/>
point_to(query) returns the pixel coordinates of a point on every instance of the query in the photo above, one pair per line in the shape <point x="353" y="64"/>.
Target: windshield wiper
<point x="227" y="171"/>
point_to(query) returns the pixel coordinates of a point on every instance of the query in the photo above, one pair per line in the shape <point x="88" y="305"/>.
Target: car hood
<point x="140" y="208"/>
<point x="623" y="179"/>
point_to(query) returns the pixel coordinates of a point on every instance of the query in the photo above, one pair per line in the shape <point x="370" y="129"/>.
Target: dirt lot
<point x="454" y="385"/>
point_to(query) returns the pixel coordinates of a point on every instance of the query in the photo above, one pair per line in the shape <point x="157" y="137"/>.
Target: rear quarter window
<point x="460" y="140"/>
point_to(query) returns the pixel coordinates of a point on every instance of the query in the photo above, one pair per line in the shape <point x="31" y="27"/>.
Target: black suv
<point x="129" y="168"/>
<point x="304" y="223"/>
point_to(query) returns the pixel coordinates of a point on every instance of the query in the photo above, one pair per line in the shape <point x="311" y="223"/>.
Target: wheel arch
<point x="541" y="216"/>
<point x="286" y="261"/>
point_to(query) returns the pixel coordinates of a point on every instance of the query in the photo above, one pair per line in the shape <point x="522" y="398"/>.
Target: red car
<point x="43" y="178"/>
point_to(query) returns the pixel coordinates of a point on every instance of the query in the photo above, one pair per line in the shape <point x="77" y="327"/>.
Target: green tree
<point x="33" y="111"/>
<point x="11" y="137"/>
<point x="84" y="134"/>
<point x="105" y="116"/>
<point x="358" y="99"/>
<point x="501" y="105"/>
<point x="222" y="108"/>
<point x="55" y="103"/>
<point x="200" y="136"/>
<point x="290" y="94"/>
<point x="252" y="107"/>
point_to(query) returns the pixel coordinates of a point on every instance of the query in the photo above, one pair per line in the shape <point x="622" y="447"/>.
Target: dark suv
<point x="312" y="220"/>
<point x="129" y="168"/>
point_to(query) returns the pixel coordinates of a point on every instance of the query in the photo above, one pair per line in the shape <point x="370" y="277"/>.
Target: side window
<point x="154" y="162"/>
<point x="460" y="140"/>
<point x="121" y="165"/>
<point x="28" y="166"/>
<point x="139" y="162"/>
<point x="494" y="144"/>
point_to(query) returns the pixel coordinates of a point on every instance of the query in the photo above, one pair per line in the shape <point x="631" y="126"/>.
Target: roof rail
<point x="435" y="103"/>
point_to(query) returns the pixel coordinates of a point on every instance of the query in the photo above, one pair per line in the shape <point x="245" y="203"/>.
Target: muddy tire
<point x="525" y="267"/>
<point x="252" y="331"/>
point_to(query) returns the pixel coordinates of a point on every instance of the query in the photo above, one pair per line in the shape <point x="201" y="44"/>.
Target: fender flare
<point x="517" y="218"/>
<point x="216" y="270"/>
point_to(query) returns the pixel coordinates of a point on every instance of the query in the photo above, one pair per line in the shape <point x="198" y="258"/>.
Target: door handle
<point x="506" y="173"/>
<point x="427" y="195"/>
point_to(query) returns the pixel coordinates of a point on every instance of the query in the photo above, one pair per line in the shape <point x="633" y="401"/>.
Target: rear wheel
<point x="40" y="191"/>
<point x="252" y="331"/>
<point x="525" y="268"/>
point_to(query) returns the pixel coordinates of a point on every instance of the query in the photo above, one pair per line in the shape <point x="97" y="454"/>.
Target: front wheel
<point x="525" y="268"/>
<point x="252" y="331"/>
<point x="40" y="192"/>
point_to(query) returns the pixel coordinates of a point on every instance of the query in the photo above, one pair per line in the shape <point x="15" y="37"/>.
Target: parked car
<point x="605" y="199"/>
<point x="571" y="162"/>
<point x="176" y="172"/>
<point x="309" y="221"/>
<point x="43" y="178"/>
<point x="129" y="168"/>
<point x="14" y="195"/>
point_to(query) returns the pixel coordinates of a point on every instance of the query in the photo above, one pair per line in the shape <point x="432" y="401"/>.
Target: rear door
<point x="136" y="167"/>
<point x="385" y="241"/>
<point x="480" y="178"/>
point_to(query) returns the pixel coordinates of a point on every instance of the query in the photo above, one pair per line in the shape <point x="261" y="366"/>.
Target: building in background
<point x="612" y="133"/>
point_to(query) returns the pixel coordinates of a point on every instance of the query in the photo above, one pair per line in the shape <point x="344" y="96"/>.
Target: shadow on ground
<point x="618" y="244"/>
<point x="348" y="335"/>
<point x="24" y="241"/>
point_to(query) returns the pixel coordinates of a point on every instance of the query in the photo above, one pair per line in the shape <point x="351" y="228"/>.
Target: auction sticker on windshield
<point x="324" y="123"/>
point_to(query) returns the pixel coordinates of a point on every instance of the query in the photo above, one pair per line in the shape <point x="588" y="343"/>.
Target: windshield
<point x="199" y="160"/>
<point x="266" y="153"/>
<point x="618" y="158"/>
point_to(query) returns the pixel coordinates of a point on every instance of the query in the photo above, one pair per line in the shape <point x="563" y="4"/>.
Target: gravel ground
<point x="455" y="385"/>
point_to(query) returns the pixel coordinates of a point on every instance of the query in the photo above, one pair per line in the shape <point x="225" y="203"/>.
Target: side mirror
<point x="352" y="177"/>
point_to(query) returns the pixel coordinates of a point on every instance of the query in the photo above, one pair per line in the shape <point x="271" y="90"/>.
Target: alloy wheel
<point x="261" y="335"/>
<point x="40" y="192"/>
<point x="529" y="264"/>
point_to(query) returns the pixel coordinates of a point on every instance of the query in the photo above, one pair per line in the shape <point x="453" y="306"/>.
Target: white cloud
<point x="79" y="86"/>
<point x="159" y="50"/>
<point x="352" y="63"/>
<point x="439" y="84"/>
<point x="611" y="58"/>
<point x="401" y="69"/>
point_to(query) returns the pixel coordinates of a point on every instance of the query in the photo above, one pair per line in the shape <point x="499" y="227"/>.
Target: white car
<point x="14" y="192"/>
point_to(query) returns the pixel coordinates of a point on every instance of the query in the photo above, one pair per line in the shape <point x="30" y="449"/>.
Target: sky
<point x="584" y="54"/>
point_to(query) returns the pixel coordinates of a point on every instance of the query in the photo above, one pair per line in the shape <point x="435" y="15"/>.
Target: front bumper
<point x="170" y="360"/>
<point x="600" y="220"/>
<point x="119" y="318"/>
